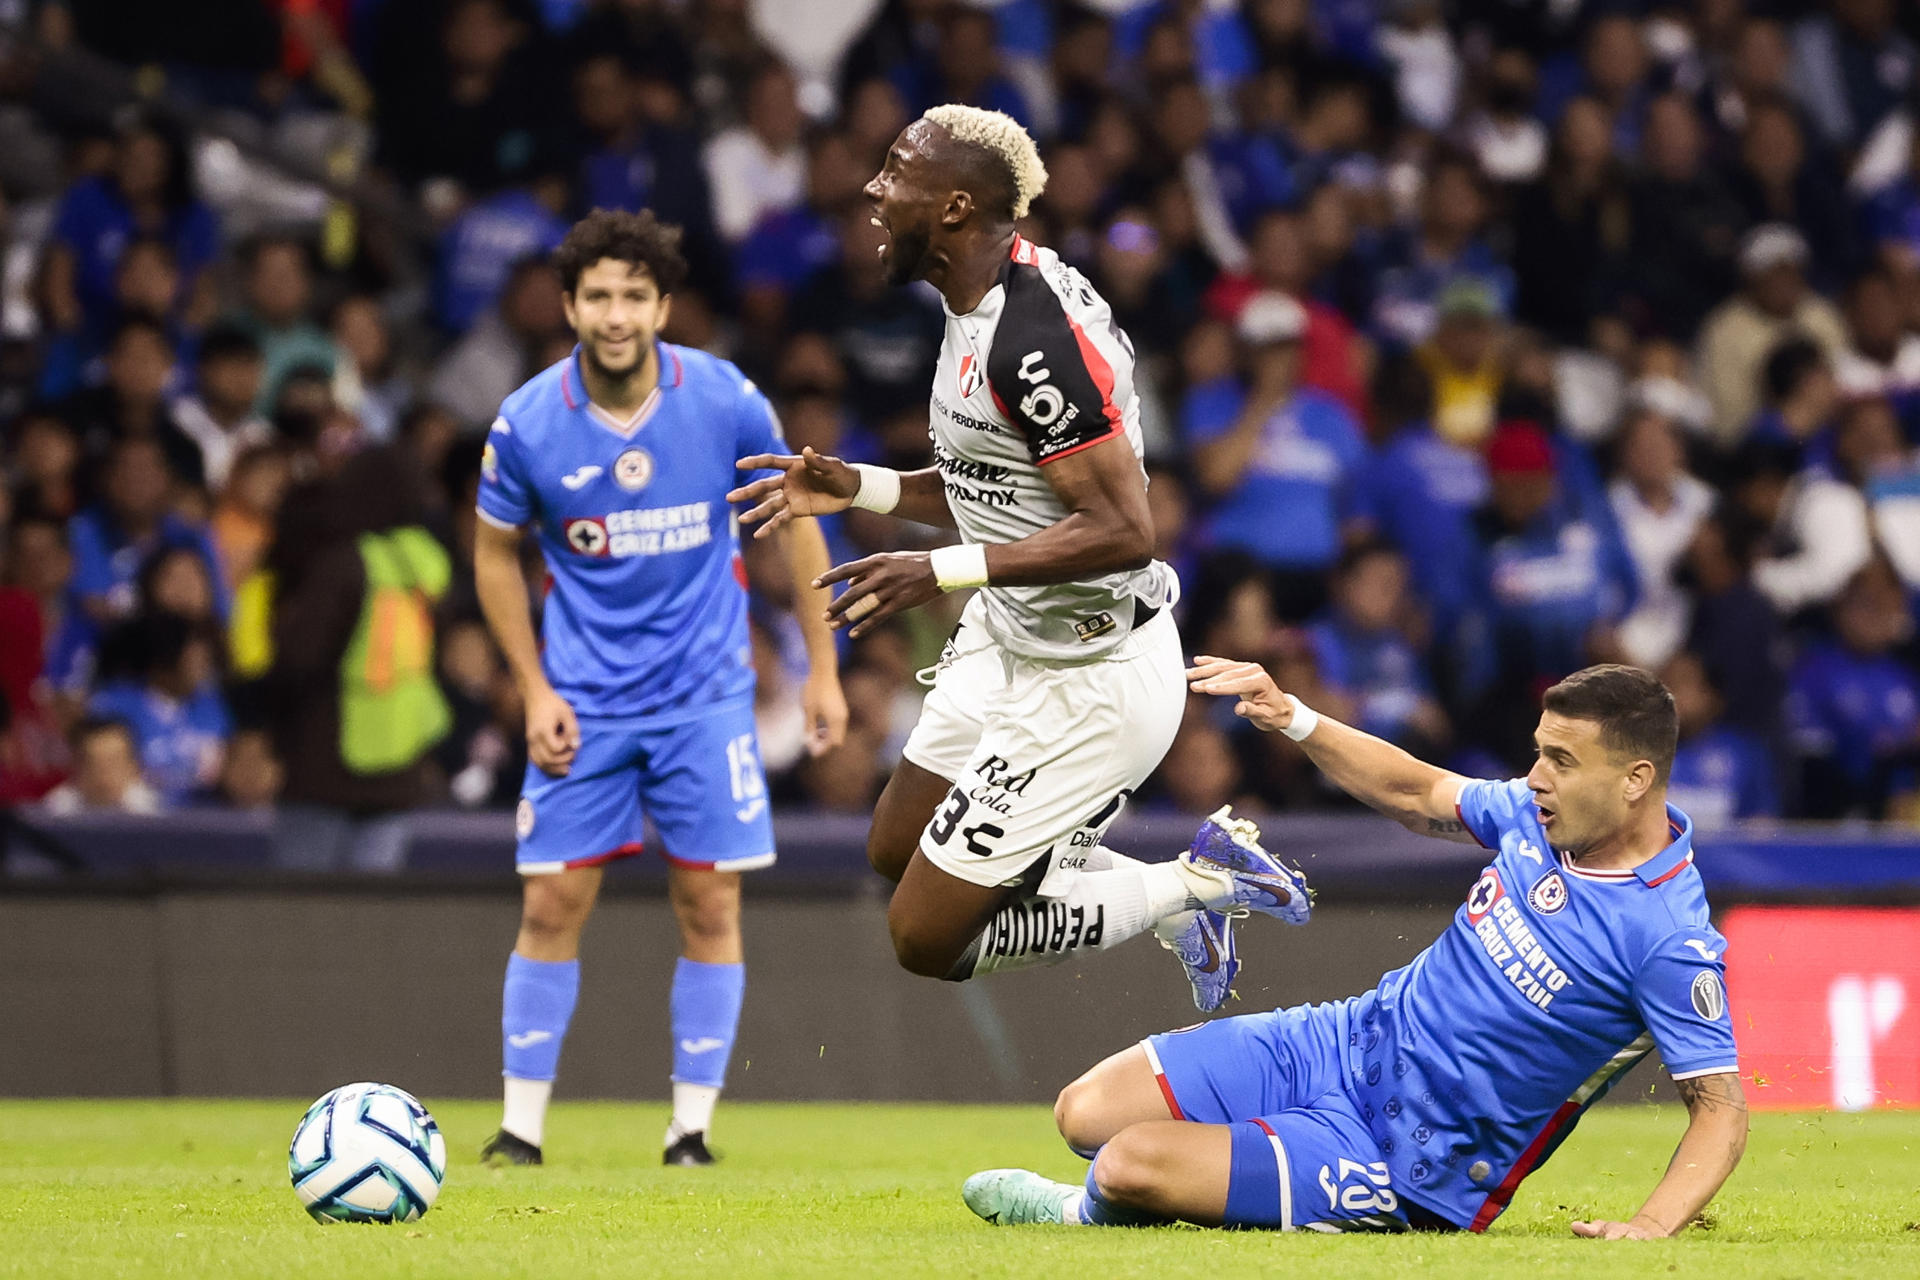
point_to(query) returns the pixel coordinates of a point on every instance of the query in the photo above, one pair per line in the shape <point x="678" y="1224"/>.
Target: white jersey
<point x="1037" y="371"/>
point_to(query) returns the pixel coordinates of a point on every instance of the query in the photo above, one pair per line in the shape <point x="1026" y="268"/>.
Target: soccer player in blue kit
<point x="1584" y="944"/>
<point x="639" y="691"/>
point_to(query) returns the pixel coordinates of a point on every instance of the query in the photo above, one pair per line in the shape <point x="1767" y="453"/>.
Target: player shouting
<point x="640" y="691"/>
<point x="1061" y="689"/>
<point x="1424" y="1102"/>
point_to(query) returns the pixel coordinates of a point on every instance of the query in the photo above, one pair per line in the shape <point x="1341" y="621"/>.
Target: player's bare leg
<point x="553" y="912"/>
<point x="935" y="918"/>
<point x="706" y="905"/>
<point x="1147" y="1166"/>
<point x="908" y="804"/>
<point x="1119" y="1091"/>
<point x="543" y="981"/>
<point x="709" y="984"/>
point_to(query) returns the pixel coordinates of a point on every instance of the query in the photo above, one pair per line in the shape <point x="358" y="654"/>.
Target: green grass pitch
<point x="199" y="1189"/>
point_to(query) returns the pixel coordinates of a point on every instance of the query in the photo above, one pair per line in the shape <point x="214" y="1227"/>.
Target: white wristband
<point x="960" y="566"/>
<point x="879" y="488"/>
<point x="1305" y="720"/>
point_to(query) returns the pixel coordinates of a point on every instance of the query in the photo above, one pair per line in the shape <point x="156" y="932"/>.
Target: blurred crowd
<point x="1478" y="341"/>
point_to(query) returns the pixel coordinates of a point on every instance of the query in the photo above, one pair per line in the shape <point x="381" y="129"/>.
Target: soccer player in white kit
<point x="1062" y="688"/>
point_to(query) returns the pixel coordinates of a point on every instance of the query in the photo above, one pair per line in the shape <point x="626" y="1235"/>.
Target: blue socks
<point x="1096" y="1211"/>
<point x="534" y="1012"/>
<point x="706" y="1014"/>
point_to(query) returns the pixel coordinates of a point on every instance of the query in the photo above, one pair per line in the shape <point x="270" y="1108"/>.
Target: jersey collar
<point x="1673" y="859"/>
<point x="573" y="390"/>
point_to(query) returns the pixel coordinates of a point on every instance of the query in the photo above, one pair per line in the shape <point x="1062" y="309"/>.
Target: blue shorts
<point x="699" y="781"/>
<point x="1285" y="1073"/>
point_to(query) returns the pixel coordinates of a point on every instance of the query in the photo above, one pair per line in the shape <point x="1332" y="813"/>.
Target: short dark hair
<point x="637" y="239"/>
<point x="1633" y="709"/>
<point x="228" y="341"/>
<point x="1788" y="365"/>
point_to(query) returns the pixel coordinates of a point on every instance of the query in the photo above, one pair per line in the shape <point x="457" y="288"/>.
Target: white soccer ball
<point x="367" y="1153"/>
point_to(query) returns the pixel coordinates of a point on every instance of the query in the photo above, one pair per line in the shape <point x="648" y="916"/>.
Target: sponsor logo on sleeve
<point x="1709" y="997"/>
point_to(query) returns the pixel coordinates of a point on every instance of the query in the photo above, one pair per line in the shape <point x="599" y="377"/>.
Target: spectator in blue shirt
<point x="170" y="702"/>
<point x="1421" y="489"/>
<point x="1279" y="462"/>
<point x="1720" y="773"/>
<point x="1854" y="708"/>
<point x="1422" y="261"/>
<point x="478" y="251"/>
<point x="147" y="193"/>
<point x="1364" y="648"/>
<point x="1554" y="578"/>
<point x="111" y="540"/>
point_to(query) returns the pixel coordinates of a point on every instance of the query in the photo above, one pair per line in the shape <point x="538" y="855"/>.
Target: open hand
<point x="879" y="587"/>
<point x="1258" y="699"/>
<point x="1602" y="1230"/>
<point x="810" y="484"/>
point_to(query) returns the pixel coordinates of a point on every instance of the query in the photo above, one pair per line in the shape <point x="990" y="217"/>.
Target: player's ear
<point x="959" y="205"/>
<point x="1639" y="780"/>
<point x="666" y="309"/>
<point x="566" y="305"/>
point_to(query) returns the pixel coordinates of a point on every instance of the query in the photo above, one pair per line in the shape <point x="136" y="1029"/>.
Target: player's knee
<point x="917" y="952"/>
<point x="708" y="907"/>
<point x="1075" y="1115"/>
<point x="550" y="913"/>
<point x="1129" y="1168"/>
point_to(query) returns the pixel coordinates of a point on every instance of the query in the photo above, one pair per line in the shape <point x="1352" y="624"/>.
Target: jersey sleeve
<point x="1487" y="806"/>
<point x="1046" y="374"/>
<point x="1681" y="992"/>
<point x="506" y="498"/>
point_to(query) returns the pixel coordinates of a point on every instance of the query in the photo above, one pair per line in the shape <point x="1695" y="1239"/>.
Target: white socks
<point x="692" y="1110"/>
<point x="1102" y="909"/>
<point x="526" y="1111"/>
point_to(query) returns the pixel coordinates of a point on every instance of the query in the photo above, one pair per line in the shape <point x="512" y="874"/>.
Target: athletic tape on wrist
<point x="960" y="566"/>
<point x="879" y="488"/>
<point x="1305" y="720"/>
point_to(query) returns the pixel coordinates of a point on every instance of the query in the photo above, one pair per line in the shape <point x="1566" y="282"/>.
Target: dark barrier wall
<point x="237" y="992"/>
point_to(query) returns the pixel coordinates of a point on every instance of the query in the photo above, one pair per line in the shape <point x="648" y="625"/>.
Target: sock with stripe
<point x="1101" y="909"/>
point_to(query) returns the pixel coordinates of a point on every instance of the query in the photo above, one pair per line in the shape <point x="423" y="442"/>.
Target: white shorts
<point x="1042" y="755"/>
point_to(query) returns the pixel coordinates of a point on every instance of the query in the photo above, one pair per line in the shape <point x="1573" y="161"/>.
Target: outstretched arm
<point x="1715" y="1139"/>
<point x="818" y="484"/>
<point x="1419" y="796"/>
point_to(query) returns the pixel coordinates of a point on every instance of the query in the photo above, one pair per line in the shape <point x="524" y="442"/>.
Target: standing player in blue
<point x="1582" y="946"/>
<point x="639" y="692"/>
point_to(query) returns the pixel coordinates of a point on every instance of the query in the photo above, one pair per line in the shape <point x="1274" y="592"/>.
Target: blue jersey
<point x="1474" y="1062"/>
<point x="646" y="616"/>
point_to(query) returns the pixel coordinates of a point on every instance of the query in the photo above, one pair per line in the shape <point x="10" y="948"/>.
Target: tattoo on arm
<point x="1710" y="1095"/>
<point x="1445" y="826"/>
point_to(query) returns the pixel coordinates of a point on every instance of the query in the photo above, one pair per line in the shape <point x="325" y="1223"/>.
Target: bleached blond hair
<point x="1000" y="134"/>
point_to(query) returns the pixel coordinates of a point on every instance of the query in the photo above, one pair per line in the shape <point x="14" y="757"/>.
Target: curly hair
<point x="637" y="239"/>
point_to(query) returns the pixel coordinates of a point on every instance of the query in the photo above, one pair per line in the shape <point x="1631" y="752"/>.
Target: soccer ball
<point x="367" y="1153"/>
